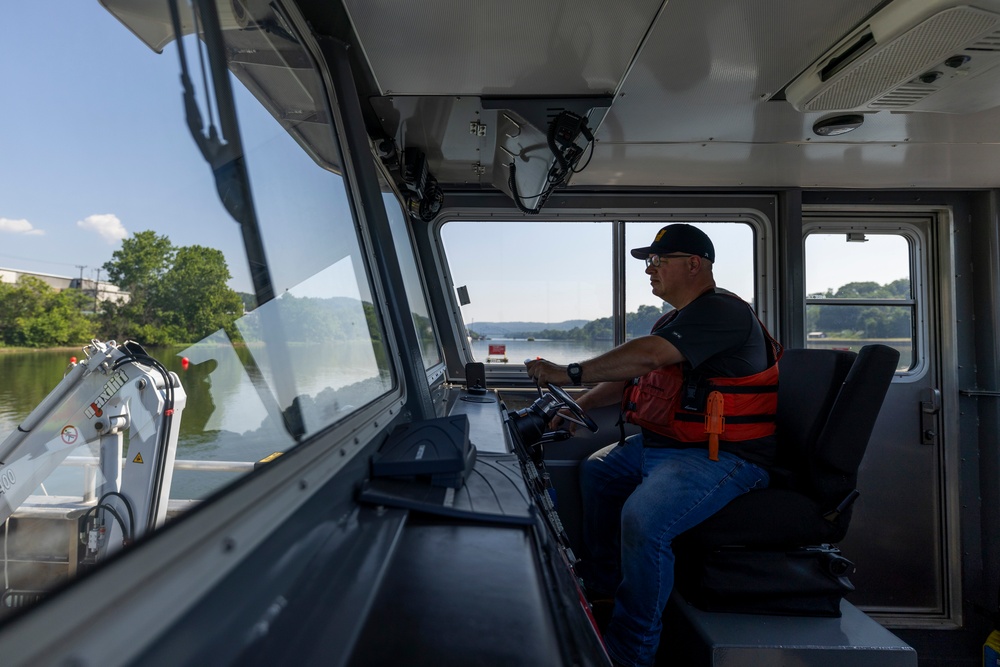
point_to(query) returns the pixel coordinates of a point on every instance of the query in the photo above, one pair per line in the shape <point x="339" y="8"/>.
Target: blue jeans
<point x="636" y="500"/>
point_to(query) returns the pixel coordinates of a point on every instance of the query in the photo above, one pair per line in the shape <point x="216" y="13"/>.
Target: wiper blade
<point x="222" y="149"/>
<point x="216" y="150"/>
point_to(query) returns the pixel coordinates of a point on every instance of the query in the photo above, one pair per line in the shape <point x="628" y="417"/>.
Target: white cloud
<point x="107" y="225"/>
<point x="19" y="227"/>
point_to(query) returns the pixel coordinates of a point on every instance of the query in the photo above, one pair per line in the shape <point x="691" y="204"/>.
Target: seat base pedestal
<point x="701" y="638"/>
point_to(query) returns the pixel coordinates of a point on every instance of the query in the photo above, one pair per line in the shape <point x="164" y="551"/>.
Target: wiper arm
<point x="224" y="154"/>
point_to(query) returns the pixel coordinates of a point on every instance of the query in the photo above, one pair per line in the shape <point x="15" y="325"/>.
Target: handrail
<point x="190" y="464"/>
<point x="91" y="464"/>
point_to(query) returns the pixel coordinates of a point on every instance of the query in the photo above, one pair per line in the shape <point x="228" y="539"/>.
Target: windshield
<point x="113" y="228"/>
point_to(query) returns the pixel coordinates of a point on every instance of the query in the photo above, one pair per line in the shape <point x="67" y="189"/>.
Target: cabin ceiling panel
<point x="778" y="122"/>
<point x="699" y="98"/>
<point x="708" y="71"/>
<point x="720" y="164"/>
<point x="519" y="47"/>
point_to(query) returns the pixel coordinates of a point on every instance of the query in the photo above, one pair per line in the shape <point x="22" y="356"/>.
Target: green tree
<point x="61" y="322"/>
<point x="177" y="294"/>
<point x="601" y="329"/>
<point x="872" y="321"/>
<point x="193" y="295"/>
<point x="899" y="289"/>
<point x="15" y="301"/>
<point x="138" y="268"/>
<point x="641" y="322"/>
<point x="863" y="290"/>
<point x="36" y="315"/>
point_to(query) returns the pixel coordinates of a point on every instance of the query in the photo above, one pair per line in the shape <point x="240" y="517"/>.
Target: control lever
<point x="555" y="436"/>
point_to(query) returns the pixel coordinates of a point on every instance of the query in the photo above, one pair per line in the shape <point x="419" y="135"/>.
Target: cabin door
<point x="881" y="278"/>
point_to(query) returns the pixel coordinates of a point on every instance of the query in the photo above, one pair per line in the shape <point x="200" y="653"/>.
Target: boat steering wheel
<point x="581" y="417"/>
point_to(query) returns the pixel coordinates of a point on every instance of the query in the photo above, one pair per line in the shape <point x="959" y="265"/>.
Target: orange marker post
<point x="715" y="423"/>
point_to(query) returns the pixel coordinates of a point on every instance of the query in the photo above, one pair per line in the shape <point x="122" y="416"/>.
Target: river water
<point x="227" y="416"/>
<point x="27" y="377"/>
<point x="218" y="400"/>
<point x="557" y="351"/>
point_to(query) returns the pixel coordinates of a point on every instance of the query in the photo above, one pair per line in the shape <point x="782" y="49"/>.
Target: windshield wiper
<point x="223" y="151"/>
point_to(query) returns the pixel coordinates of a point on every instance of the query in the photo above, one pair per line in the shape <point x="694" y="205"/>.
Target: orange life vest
<point x="719" y="408"/>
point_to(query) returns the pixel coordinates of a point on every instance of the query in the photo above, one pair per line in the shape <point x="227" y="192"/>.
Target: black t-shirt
<point x="719" y="336"/>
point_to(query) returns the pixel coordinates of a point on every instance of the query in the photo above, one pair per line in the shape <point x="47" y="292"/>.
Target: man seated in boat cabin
<point x="706" y="360"/>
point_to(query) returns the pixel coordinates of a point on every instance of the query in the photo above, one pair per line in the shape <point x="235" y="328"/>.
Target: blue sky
<point x="84" y="156"/>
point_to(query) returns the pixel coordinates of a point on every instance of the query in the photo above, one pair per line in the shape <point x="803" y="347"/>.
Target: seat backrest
<point x="807" y="388"/>
<point x="841" y="444"/>
<point x="828" y="401"/>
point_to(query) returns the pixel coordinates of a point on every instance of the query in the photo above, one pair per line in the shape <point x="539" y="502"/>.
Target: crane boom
<point x="115" y="390"/>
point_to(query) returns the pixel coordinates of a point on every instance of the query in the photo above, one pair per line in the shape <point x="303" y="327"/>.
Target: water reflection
<point x="25" y="379"/>
<point x="232" y="412"/>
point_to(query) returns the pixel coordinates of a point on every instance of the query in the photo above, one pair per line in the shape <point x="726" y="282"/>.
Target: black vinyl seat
<point x="828" y="401"/>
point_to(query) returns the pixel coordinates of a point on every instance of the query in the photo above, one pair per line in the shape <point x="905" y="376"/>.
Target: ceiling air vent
<point x="913" y="55"/>
<point x="989" y="43"/>
<point x="903" y="97"/>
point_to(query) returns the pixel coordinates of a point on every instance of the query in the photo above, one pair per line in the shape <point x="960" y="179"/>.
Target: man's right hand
<point x="544" y="372"/>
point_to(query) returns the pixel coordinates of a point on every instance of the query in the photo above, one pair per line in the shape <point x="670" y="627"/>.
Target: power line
<point x="42" y="261"/>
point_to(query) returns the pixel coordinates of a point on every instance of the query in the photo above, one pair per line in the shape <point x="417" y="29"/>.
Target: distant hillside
<point x="508" y="329"/>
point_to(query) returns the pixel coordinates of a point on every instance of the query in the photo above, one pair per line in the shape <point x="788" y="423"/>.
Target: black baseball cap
<point x="678" y="238"/>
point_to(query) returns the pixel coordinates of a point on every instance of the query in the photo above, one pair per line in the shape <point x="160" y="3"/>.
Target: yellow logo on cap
<point x="660" y="234"/>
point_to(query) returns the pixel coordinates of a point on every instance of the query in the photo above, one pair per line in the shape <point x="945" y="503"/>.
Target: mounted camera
<point x="533" y="173"/>
<point x="530" y="422"/>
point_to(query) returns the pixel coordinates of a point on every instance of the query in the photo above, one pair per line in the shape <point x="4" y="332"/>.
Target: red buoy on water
<point x="185" y="363"/>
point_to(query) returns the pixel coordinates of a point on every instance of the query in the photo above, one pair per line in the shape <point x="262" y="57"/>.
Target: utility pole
<point x="81" y="267"/>
<point x="97" y="288"/>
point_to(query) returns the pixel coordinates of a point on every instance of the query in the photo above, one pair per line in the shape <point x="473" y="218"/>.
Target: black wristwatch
<point x="575" y="373"/>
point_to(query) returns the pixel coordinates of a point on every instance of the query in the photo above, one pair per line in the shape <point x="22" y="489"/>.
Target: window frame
<point x="436" y="371"/>
<point x="755" y="211"/>
<point x="196" y="552"/>
<point x="909" y="228"/>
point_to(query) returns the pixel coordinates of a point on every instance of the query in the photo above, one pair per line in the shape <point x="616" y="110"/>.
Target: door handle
<point x="929" y="409"/>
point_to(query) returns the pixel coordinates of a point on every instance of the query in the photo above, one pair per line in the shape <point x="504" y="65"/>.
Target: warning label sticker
<point x="69" y="434"/>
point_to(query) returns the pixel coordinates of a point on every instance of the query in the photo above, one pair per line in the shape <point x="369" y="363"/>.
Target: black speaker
<point x="475" y="377"/>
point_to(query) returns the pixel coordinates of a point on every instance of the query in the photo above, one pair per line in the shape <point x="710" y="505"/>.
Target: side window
<point x="534" y="288"/>
<point x="733" y="269"/>
<point x="430" y="350"/>
<point x="271" y="325"/>
<point x="319" y="344"/>
<point x="860" y="290"/>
